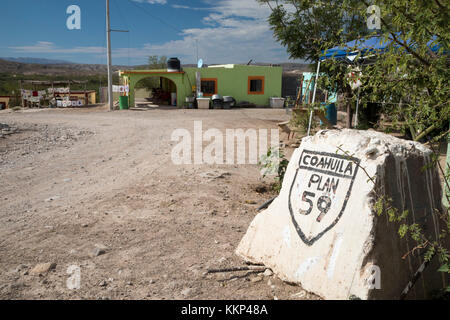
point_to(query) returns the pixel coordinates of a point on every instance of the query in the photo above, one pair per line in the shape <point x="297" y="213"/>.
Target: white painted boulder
<point x="322" y="232"/>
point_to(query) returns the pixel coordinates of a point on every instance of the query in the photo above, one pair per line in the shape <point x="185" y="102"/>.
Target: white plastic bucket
<point x="173" y="97"/>
<point x="276" y="102"/>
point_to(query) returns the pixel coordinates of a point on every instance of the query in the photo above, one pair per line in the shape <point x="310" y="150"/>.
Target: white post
<point x="108" y="41"/>
<point x="196" y="46"/>
<point x="357" y="106"/>
<point x="198" y="82"/>
<point x="314" y="96"/>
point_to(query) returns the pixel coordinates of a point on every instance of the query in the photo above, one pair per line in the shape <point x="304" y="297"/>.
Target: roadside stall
<point x="38" y="94"/>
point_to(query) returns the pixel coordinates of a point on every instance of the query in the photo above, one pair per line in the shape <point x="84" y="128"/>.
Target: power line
<point x="125" y="21"/>
<point x="109" y="62"/>
<point x="164" y="22"/>
<point x="155" y="17"/>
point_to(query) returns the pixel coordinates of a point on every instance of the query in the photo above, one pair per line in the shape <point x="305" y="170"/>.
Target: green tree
<point x="411" y="80"/>
<point x="306" y="27"/>
<point x="154" y="63"/>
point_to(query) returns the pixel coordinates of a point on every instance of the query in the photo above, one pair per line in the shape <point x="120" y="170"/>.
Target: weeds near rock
<point x="274" y="162"/>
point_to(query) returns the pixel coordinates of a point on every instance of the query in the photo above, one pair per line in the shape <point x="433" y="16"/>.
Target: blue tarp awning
<point x="371" y="45"/>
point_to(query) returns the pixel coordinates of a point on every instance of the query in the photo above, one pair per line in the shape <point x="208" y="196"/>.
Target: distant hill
<point x="96" y="74"/>
<point x="54" y="69"/>
<point x="36" y="60"/>
<point x="76" y="69"/>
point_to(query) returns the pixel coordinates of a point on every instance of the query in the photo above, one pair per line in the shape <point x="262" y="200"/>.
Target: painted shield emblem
<point x="319" y="192"/>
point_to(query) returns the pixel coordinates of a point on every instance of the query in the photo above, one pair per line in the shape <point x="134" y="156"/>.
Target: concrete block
<point x="322" y="231"/>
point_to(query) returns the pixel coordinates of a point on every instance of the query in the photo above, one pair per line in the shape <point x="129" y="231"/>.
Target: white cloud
<point x="50" y="47"/>
<point x="152" y="1"/>
<point x="234" y="31"/>
<point x="180" y="6"/>
<point x="242" y="8"/>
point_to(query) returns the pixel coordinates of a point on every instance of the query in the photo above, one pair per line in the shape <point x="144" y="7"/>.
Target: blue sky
<point x="227" y="31"/>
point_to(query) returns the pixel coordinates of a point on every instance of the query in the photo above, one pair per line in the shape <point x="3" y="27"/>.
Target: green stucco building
<point x="254" y="84"/>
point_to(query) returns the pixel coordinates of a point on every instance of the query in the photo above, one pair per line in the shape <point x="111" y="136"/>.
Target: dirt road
<point x="98" y="190"/>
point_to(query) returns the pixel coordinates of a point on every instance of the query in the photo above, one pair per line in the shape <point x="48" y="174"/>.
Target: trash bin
<point x="123" y="102"/>
<point x="276" y="102"/>
<point x="228" y="102"/>
<point x="331" y="113"/>
<point x="217" y="101"/>
<point x="190" y="102"/>
<point x="203" y="103"/>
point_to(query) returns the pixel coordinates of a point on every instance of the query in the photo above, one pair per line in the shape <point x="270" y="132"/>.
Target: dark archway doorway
<point x="155" y="91"/>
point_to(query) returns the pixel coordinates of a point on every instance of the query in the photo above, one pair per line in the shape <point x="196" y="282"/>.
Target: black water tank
<point x="173" y="65"/>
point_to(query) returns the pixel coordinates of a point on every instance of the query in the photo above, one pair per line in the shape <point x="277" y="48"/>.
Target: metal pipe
<point x="108" y="41"/>
<point x="314" y="97"/>
<point x="357" y="106"/>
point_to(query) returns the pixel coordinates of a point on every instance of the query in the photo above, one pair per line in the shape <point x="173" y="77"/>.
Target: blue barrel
<point x="331" y="113"/>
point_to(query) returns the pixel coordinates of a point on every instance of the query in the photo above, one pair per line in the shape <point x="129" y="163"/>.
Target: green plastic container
<point x="123" y="102"/>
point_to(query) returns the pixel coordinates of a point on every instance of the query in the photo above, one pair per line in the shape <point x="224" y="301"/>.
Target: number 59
<point x="323" y="204"/>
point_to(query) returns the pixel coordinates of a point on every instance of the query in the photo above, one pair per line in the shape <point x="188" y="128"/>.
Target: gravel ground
<point x="96" y="192"/>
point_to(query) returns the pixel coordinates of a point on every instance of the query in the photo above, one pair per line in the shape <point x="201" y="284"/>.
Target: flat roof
<point x="228" y="66"/>
<point x="149" y="72"/>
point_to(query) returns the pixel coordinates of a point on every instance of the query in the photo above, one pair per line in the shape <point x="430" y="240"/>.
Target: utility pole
<point x="196" y="45"/>
<point x="108" y="41"/>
